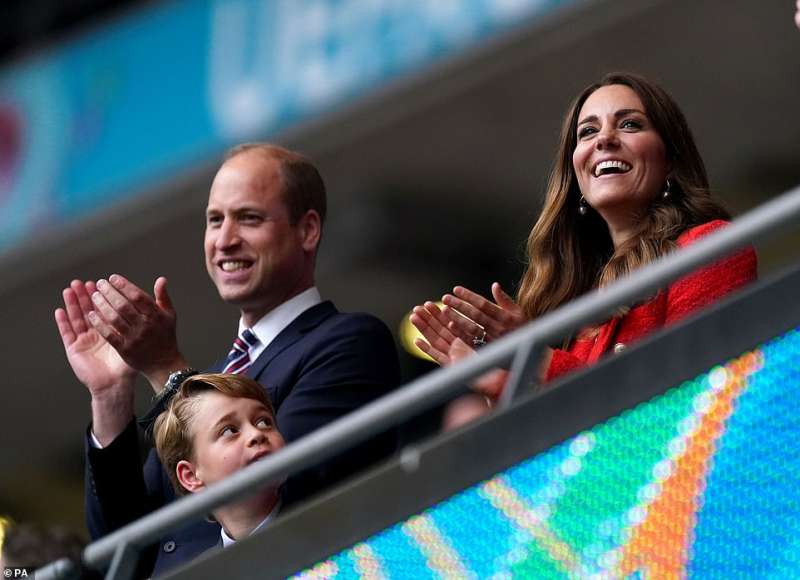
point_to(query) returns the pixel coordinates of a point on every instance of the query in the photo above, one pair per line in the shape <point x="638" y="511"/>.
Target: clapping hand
<point x="96" y="363"/>
<point x="486" y="389"/>
<point x="446" y="348"/>
<point x="474" y="318"/>
<point x="467" y="316"/>
<point x="490" y="384"/>
<point x="93" y="360"/>
<point x="142" y="328"/>
<point x="450" y="334"/>
<point x="433" y="325"/>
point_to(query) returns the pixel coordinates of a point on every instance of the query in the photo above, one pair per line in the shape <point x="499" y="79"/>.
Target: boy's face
<point x="229" y="433"/>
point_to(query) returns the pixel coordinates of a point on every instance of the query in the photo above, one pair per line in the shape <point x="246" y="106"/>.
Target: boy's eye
<point x="228" y="430"/>
<point x="264" y="423"/>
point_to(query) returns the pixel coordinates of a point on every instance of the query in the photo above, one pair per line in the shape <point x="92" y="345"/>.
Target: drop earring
<point x="667" y="190"/>
<point x="583" y="206"/>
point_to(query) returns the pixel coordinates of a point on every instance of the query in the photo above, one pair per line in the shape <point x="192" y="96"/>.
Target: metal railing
<point x="519" y="349"/>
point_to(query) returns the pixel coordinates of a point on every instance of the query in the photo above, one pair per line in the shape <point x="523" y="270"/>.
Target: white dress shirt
<point x="227" y="540"/>
<point x="276" y="320"/>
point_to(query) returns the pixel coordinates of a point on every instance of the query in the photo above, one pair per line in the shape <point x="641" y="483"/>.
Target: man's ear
<point x="187" y="477"/>
<point x="310" y="228"/>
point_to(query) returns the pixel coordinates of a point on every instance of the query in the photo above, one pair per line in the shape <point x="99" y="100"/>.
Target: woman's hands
<point x="467" y="316"/>
<point x="486" y="389"/>
<point x="432" y="323"/>
<point x="451" y="333"/>
<point x="470" y="314"/>
<point x="445" y="332"/>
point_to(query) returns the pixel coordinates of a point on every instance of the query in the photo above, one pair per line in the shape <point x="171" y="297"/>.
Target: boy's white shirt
<point x="227" y="540"/>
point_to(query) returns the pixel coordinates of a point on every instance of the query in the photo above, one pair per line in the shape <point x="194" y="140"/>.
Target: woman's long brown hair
<point x="569" y="254"/>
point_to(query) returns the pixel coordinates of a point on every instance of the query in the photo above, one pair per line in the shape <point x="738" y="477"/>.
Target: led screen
<point x="702" y="481"/>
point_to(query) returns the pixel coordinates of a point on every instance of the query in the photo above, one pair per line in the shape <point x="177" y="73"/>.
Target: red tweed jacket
<point x="683" y="297"/>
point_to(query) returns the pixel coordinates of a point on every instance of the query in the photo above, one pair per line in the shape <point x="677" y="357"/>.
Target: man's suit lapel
<point x="308" y="320"/>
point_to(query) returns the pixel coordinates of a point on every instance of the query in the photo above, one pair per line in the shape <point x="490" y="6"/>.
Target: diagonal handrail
<point x="436" y="387"/>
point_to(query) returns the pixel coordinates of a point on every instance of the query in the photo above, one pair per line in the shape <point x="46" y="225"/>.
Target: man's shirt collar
<point x="273" y="322"/>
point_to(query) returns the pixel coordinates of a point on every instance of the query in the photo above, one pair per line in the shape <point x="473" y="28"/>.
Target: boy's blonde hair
<point x="173" y="428"/>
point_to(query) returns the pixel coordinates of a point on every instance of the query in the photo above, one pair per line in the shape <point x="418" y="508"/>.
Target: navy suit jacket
<point x="320" y="367"/>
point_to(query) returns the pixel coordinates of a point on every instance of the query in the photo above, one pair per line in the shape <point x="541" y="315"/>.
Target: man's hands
<point x="112" y="329"/>
<point x="95" y="363"/>
<point x="141" y="328"/>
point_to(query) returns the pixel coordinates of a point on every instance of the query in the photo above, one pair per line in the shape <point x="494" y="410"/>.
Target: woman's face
<point x="620" y="160"/>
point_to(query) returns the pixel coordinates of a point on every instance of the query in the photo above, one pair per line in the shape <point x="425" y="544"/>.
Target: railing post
<point x="123" y="564"/>
<point x="523" y="372"/>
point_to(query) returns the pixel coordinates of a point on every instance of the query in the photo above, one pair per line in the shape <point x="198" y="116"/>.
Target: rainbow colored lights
<point x="702" y="481"/>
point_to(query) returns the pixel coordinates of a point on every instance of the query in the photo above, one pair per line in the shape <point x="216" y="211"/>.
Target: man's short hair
<point x="173" y="428"/>
<point x="303" y="188"/>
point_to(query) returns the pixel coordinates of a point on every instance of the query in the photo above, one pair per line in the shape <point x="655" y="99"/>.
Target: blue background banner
<point x="123" y="107"/>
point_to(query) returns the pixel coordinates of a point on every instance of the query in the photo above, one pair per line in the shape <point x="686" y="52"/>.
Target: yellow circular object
<point x="408" y="333"/>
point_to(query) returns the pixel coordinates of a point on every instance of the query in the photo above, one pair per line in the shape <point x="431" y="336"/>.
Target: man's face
<point x="255" y="257"/>
<point x="230" y="433"/>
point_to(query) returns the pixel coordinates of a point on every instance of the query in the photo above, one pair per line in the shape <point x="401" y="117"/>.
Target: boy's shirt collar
<point x="227" y="540"/>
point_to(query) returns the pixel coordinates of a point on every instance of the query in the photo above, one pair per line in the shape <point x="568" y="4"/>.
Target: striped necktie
<point x="239" y="357"/>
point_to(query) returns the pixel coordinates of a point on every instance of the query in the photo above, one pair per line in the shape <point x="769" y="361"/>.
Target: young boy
<point x="215" y="425"/>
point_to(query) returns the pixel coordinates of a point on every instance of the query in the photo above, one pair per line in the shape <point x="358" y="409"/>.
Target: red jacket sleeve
<point x="711" y="283"/>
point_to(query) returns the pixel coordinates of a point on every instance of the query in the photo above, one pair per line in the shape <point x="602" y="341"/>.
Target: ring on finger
<point x="478" y="341"/>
